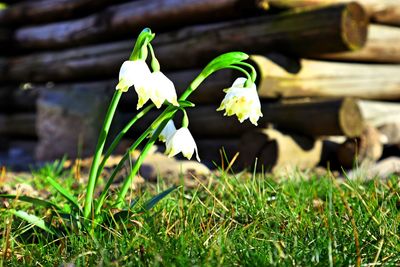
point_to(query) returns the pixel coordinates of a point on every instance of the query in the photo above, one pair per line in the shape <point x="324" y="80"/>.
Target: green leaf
<point x="32" y="219"/>
<point x="63" y="192"/>
<point x="150" y="204"/>
<point x="32" y="200"/>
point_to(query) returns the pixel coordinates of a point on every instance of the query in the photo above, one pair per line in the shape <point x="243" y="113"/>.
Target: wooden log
<point x="382" y="46"/>
<point x="122" y="20"/>
<point x="210" y="91"/>
<point x="382" y="11"/>
<point x="321" y="34"/>
<point x="310" y="117"/>
<point x="389" y="15"/>
<point x="365" y="148"/>
<point x="379" y="113"/>
<point x="40" y="11"/>
<point x="316" y="117"/>
<point x="384" y="116"/>
<point x="218" y="151"/>
<point x="18" y="125"/>
<point x="274" y="150"/>
<point x="14" y="98"/>
<point x="310" y="78"/>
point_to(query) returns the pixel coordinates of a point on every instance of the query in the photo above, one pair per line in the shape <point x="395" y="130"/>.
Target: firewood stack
<point x="326" y="67"/>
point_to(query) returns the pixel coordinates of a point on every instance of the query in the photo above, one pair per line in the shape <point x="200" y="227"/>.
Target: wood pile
<point x="326" y="68"/>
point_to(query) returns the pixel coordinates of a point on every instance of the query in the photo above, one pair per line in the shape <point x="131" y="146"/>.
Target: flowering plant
<point x="150" y="84"/>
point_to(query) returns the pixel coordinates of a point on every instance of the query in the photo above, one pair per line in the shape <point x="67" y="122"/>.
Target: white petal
<point x="242" y="102"/>
<point x="182" y="141"/>
<point x="163" y="89"/>
<point x="168" y="131"/>
<point x="132" y="73"/>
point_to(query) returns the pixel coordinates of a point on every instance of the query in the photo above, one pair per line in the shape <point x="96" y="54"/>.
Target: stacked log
<point x="318" y="69"/>
<point x="381" y="11"/>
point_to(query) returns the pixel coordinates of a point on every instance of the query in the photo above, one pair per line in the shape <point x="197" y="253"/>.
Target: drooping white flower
<point x="242" y="101"/>
<point x="168" y="131"/>
<point x="132" y="73"/>
<point x="182" y="141"/>
<point x="159" y="89"/>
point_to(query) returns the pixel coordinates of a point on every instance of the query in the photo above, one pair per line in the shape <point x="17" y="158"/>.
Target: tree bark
<point x="120" y="21"/>
<point x="273" y="150"/>
<point x="285" y="77"/>
<point x="382" y="11"/>
<point x="18" y="125"/>
<point x="40" y="11"/>
<point x="301" y="33"/>
<point x="309" y="117"/>
<point x="382" y="46"/>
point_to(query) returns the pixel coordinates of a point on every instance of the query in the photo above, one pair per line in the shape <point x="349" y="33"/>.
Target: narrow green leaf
<point x="63" y="192"/>
<point x="150" y="204"/>
<point x="32" y="219"/>
<point x="32" y="200"/>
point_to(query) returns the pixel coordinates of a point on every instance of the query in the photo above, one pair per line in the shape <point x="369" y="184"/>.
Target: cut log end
<point x="355" y="26"/>
<point x="350" y="118"/>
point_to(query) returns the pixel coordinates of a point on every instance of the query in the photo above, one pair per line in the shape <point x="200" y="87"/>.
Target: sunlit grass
<point x="231" y="219"/>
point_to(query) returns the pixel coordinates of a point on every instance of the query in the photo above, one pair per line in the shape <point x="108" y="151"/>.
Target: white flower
<point x="159" y="89"/>
<point x="243" y="102"/>
<point x="132" y="73"/>
<point x="168" y="131"/>
<point x="182" y="141"/>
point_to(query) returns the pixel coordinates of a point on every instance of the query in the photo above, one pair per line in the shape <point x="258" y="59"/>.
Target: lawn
<point x="230" y="219"/>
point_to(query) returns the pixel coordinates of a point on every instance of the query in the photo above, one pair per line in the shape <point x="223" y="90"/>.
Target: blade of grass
<point x="32" y="200"/>
<point x="153" y="201"/>
<point x="32" y="219"/>
<point x="63" y="192"/>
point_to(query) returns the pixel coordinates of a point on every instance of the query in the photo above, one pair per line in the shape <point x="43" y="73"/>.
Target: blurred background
<point x="329" y="77"/>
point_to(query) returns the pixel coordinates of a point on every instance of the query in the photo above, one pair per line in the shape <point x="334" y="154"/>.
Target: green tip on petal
<point x="122" y="86"/>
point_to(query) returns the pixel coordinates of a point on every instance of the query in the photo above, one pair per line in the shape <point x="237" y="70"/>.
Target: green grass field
<point x="242" y="219"/>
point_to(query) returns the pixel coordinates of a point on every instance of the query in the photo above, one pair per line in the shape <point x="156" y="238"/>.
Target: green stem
<point x="126" y="156"/>
<point x="253" y="70"/>
<point x="98" y="153"/>
<point x="118" y="168"/>
<point x="120" y="136"/>
<point x="168" y="112"/>
<point x="241" y="70"/>
<point x="140" y="159"/>
<point x="192" y="87"/>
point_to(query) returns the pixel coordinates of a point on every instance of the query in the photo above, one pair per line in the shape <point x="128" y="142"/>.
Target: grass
<point x="243" y="219"/>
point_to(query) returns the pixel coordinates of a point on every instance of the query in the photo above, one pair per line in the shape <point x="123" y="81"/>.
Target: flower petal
<point x="242" y="102"/>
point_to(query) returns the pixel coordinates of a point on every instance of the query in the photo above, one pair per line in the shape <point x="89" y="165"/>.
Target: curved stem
<point x="119" y="137"/>
<point x="99" y="150"/>
<point x="126" y="156"/>
<point x="118" y="168"/>
<point x="242" y="70"/>
<point x="251" y="67"/>
<point x="191" y="88"/>
<point x="140" y="159"/>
